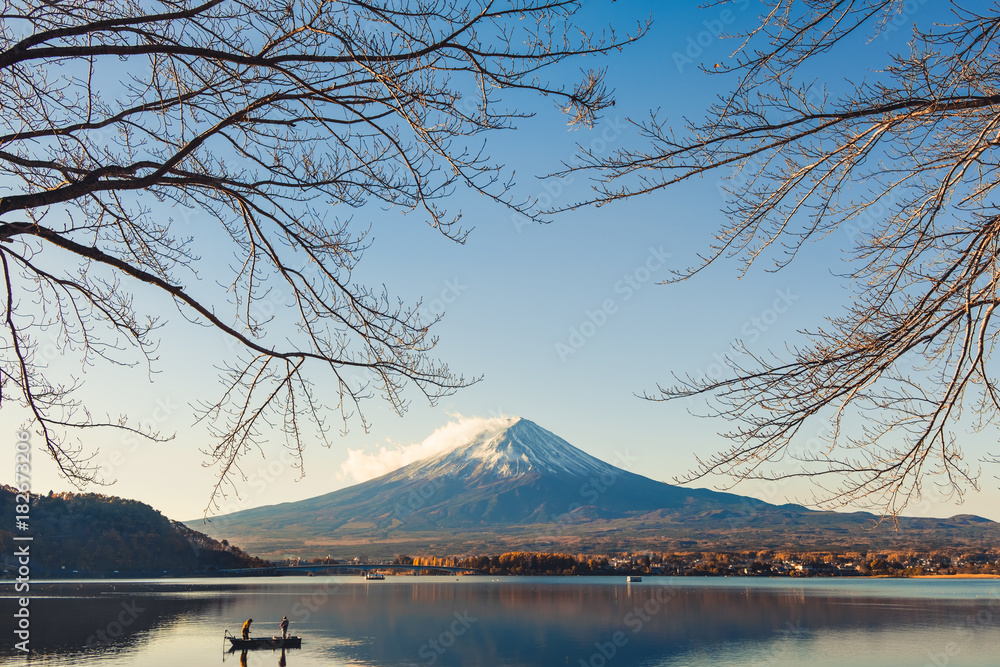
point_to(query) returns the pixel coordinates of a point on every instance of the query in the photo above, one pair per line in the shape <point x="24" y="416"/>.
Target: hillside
<point x="522" y="487"/>
<point x="90" y="533"/>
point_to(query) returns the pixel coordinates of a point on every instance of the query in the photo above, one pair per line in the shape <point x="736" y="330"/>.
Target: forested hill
<point x="92" y="533"/>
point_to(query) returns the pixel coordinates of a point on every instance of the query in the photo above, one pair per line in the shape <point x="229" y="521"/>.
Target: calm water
<point x="535" y="621"/>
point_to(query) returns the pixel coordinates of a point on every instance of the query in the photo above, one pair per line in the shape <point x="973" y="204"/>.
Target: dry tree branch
<point x="887" y="379"/>
<point x="262" y="117"/>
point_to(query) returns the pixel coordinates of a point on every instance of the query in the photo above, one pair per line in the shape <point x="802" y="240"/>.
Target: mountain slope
<point x="522" y="474"/>
<point x="92" y="534"/>
<point x="520" y="485"/>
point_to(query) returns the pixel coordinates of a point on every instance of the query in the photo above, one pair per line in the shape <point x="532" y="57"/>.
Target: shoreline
<point x="954" y="576"/>
<point x="239" y="580"/>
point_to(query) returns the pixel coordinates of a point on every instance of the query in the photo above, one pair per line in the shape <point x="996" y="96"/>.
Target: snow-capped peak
<point x="517" y="448"/>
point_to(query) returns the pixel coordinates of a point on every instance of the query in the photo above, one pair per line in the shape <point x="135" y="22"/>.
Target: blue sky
<point x="565" y="321"/>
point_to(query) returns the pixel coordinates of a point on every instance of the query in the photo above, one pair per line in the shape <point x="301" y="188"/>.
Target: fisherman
<point x="284" y="626"/>
<point x="246" y="629"/>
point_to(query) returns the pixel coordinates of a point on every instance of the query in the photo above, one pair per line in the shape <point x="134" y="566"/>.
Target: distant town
<point x="765" y="563"/>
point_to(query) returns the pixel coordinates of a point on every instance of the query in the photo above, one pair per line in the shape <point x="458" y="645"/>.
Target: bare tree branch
<point x="906" y="163"/>
<point x="261" y="116"/>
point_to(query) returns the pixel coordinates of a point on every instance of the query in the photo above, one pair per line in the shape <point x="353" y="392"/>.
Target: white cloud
<point x="362" y="465"/>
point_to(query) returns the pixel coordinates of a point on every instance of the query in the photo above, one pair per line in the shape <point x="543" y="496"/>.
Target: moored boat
<point x="374" y="576"/>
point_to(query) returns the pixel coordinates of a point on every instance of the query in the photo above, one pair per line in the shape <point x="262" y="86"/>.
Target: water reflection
<point x="409" y="621"/>
<point x="91" y="622"/>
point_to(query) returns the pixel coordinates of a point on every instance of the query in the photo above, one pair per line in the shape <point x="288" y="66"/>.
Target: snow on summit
<point x="516" y="448"/>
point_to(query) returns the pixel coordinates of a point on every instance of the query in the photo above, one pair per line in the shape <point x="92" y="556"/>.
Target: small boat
<point x="633" y="578"/>
<point x="374" y="576"/>
<point x="238" y="643"/>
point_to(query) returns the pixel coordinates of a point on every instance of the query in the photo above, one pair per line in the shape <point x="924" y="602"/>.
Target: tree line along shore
<point x="703" y="563"/>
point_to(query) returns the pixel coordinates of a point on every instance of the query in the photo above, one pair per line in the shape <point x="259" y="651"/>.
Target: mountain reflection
<point x="548" y="624"/>
<point x="474" y="621"/>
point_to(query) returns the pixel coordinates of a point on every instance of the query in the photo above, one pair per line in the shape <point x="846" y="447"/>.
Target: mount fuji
<point x="517" y="485"/>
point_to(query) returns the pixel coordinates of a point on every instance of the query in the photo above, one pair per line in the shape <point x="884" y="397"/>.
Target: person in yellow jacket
<point x="246" y="628"/>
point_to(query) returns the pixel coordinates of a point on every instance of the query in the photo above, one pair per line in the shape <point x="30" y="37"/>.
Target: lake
<point x="515" y="621"/>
